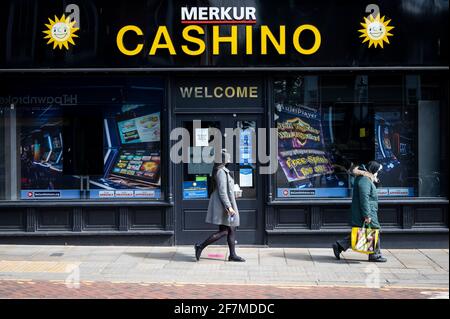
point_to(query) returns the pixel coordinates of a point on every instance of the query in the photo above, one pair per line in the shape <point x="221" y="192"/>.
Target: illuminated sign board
<point x="193" y="34"/>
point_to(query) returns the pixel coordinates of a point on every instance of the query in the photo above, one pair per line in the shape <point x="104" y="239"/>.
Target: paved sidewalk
<point x="280" y="267"/>
<point x="109" y="290"/>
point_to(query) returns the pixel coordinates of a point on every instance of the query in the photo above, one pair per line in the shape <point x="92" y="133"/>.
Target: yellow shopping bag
<point x="365" y="239"/>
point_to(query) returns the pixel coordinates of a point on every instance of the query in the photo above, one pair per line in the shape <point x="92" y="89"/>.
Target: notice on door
<point x="201" y="137"/>
<point x="246" y="177"/>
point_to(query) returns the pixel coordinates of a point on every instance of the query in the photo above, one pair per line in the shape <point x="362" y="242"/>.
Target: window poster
<point x="301" y="150"/>
<point x="307" y="169"/>
<point x="246" y="146"/>
<point x="195" y="190"/>
<point x="246" y="177"/>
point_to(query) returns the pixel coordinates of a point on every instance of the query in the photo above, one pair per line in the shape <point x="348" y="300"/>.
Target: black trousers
<point x="346" y="243"/>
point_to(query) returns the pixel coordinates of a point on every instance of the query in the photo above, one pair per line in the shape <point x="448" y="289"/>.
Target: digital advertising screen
<point x="143" y="165"/>
<point x="143" y="129"/>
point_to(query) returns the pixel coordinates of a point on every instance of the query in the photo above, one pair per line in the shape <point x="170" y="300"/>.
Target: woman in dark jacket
<point x="364" y="209"/>
<point x="222" y="209"/>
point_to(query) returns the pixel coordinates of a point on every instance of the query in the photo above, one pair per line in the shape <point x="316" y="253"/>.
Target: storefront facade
<point x="94" y="111"/>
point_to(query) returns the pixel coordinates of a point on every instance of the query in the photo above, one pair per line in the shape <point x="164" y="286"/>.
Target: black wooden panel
<point x="429" y="217"/>
<point x="248" y="219"/>
<point x="13" y="219"/>
<point x="195" y="220"/>
<point x="101" y="218"/>
<point x="146" y="218"/>
<point x="293" y="218"/>
<point x="54" y="219"/>
<point x="389" y="217"/>
<point x="335" y="217"/>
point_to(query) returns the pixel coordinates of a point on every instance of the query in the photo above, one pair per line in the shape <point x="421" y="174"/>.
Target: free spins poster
<point x="300" y="143"/>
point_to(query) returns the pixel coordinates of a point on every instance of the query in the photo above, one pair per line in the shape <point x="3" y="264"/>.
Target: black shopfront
<point x="89" y="123"/>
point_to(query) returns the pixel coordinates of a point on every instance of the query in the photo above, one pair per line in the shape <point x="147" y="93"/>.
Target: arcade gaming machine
<point x="387" y="143"/>
<point x="132" y="160"/>
<point x="52" y="156"/>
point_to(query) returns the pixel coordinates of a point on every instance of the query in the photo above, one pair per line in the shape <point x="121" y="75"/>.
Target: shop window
<point x="104" y="144"/>
<point x="327" y="124"/>
<point x="4" y="194"/>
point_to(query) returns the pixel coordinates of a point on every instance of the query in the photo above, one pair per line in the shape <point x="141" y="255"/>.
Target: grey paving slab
<point x="297" y="256"/>
<point x="355" y="259"/>
<point x="414" y="260"/>
<point x="441" y="277"/>
<point x="264" y="265"/>
<point x="441" y="260"/>
<point x="92" y="268"/>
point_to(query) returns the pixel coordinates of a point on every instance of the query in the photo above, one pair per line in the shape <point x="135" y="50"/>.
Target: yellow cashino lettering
<point x="196" y="45"/>
<point x="317" y="41"/>
<point x="280" y="45"/>
<point x="189" y="38"/>
<point x="217" y="39"/>
<point x="162" y="32"/>
<point x="121" y="34"/>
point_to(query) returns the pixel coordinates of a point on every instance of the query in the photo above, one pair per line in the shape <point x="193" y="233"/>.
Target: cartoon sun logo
<point x="376" y="30"/>
<point x="61" y="32"/>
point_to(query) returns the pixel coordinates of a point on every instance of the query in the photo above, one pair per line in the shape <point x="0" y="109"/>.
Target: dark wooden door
<point x="193" y="180"/>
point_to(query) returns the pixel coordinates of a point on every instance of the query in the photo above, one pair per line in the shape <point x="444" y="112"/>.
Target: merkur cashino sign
<point x="225" y="35"/>
<point x="234" y="31"/>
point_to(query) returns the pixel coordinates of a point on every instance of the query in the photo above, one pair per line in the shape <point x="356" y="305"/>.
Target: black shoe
<point x="337" y="251"/>
<point x="236" y="258"/>
<point x="198" y="251"/>
<point x="377" y="259"/>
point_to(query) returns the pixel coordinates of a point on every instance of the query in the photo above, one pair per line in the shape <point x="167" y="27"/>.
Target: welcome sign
<point x="216" y="92"/>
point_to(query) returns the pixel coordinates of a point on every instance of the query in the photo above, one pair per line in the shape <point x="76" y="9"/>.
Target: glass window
<point x="95" y="138"/>
<point x="329" y="124"/>
<point x="3" y="153"/>
<point x="197" y="173"/>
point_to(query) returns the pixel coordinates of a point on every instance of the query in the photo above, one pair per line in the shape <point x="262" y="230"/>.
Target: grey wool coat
<point x="222" y="198"/>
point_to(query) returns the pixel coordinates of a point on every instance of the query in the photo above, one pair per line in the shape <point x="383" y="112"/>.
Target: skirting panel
<point x="66" y="219"/>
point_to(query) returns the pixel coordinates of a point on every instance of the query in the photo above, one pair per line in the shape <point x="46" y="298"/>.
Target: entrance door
<point x="193" y="185"/>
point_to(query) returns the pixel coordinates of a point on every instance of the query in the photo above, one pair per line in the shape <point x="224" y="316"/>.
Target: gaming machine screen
<point x="139" y="164"/>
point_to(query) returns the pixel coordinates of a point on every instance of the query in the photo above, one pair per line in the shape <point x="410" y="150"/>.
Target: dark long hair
<point x="217" y="167"/>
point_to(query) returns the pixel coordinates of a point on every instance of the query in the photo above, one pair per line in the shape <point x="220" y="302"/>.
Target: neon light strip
<point x="108" y="139"/>
<point x="51" y="148"/>
<point x="330" y="123"/>
<point x="380" y="142"/>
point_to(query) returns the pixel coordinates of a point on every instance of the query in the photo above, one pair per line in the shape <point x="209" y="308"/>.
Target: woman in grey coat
<point x="222" y="209"/>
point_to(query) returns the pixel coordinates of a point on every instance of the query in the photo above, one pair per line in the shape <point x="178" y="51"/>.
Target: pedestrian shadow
<point x="182" y="257"/>
<point x="154" y="255"/>
<point x="316" y="259"/>
<point x="333" y="260"/>
<point x="297" y="257"/>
